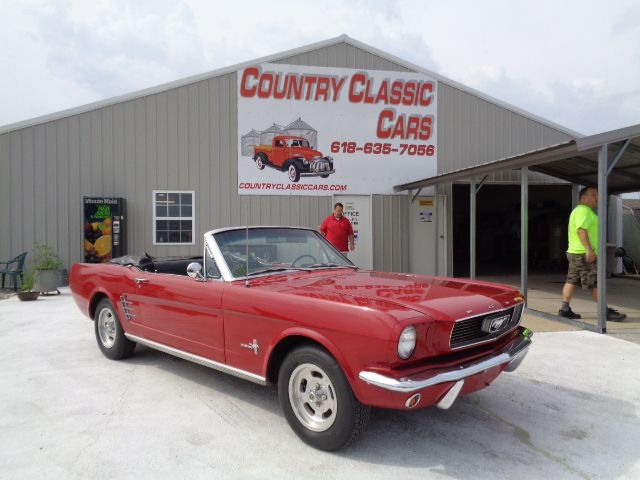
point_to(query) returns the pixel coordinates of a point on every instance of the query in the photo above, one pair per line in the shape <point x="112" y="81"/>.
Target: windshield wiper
<point x="332" y="265"/>
<point x="276" y="269"/>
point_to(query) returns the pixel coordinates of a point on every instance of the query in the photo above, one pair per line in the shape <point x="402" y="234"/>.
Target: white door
<point x="357" y="208"/>
<point x="425" y="257"/>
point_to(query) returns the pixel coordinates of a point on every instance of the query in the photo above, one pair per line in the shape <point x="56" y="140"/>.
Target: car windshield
<point x="264" y="250"/>
<point x="298" y="142"/>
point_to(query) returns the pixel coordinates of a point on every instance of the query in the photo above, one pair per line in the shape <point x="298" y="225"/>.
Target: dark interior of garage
<point x="498" y="229"/>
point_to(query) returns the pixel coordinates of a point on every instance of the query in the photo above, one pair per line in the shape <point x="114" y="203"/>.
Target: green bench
<point x="13" y="268"/>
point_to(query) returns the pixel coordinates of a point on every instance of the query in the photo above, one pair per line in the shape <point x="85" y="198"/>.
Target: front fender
<point x="350" y="366"/>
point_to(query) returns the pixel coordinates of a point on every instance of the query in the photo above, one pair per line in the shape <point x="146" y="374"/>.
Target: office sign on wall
<point x="326" y="131"/>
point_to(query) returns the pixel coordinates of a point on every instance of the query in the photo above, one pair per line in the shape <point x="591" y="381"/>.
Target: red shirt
<point x="337" y="231"/>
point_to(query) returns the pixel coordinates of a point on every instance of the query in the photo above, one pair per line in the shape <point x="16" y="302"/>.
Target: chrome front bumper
<point x="513" y="355"/>
<point x="317" y="174"/>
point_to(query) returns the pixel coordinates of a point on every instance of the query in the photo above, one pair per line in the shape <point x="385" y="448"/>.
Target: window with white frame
<point x="173" y="217"/>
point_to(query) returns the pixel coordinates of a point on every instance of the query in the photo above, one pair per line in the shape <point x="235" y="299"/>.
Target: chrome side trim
<point x="236" y="372"/>
<point x="126" y="307"/>
<point x="517" y="349"/>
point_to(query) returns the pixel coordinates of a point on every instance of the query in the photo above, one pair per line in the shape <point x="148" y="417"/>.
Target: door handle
<point x="141" y="280"/>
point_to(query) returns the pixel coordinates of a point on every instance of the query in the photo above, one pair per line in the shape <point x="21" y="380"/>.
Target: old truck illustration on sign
<point x="294" y="155"/>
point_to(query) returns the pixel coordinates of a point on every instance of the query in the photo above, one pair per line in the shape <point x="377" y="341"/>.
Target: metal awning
<point x="575" y="161"/>
<point x="609" y="161"/>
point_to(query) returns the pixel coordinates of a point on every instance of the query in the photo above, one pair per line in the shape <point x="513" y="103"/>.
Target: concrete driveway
<point x="570" y="411"/>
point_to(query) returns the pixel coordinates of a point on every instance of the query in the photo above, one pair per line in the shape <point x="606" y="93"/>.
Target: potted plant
<point x="27" y="291"/>
<point x="49" y="274"/>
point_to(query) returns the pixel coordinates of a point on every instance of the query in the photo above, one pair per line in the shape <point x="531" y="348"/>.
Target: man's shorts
<point x="581" y="272"/>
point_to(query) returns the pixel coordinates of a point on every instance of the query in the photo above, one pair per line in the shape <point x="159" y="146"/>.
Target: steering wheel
<point x="293" y="264"/>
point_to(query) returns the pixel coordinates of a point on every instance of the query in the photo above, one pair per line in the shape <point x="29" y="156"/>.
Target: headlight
<point x="407" y="342"/>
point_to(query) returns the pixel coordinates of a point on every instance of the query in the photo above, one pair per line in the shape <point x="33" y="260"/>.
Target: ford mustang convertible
<point x="280" y="305"/>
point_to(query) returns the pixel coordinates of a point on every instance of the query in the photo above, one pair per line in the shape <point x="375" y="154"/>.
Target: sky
<point x="576" y="63"/>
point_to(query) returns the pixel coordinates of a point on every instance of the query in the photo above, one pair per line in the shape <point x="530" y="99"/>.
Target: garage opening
<point x="498" y="229"/>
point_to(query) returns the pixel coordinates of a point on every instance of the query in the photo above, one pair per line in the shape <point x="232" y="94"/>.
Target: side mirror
<point x="194" y="270"/>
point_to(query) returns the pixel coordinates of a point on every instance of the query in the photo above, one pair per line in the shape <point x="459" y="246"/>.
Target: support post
<point x="472" y="228"/>
<point x="602" y="239"/>
<point x="524" y="231"/>
<point x="436" y="236"/>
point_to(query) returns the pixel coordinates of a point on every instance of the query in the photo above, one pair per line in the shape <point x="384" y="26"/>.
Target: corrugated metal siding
<point x="184" y="139"/>
<point x="472" y="131"/>
<point x="391" y="233"/>
<point x="343" y="56"/>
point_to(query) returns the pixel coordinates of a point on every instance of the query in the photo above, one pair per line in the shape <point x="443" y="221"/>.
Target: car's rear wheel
<point x="317" y="400"/>
<point x="260" y="161"/>
<point x="109" y="333"/>
<point x="294" y="173"/>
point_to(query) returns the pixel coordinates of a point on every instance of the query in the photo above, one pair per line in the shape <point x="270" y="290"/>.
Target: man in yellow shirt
<point x="582" y="254"/>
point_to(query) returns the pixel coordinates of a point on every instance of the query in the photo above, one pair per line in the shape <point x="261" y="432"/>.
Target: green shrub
<point x="45" y="257"/>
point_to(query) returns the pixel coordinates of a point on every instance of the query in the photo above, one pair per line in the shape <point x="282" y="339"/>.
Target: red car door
<point x="181" y="312"/>
<point x="279" y="153"/>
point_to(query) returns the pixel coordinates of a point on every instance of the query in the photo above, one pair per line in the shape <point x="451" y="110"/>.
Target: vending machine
<point x="104" y="229"/>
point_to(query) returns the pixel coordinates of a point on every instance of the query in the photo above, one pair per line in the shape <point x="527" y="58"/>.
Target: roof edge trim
<point x="544" y="155"/>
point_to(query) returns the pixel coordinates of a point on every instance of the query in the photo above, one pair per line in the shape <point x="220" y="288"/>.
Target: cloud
<point x="122" y="48"/>
<point x="67" y="53"/>
<point x="586" y="105"/>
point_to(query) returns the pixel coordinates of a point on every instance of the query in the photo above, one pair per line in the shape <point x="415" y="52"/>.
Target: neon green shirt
<point x="583" y="217"/>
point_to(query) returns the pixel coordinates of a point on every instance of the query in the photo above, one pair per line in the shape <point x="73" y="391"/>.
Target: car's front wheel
<point x="260" y="161"/>
<point x="317" y="400"/>
<point x="109" y="333"/>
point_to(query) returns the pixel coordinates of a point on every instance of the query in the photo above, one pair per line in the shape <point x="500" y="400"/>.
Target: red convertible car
<point x="280" y="305"/>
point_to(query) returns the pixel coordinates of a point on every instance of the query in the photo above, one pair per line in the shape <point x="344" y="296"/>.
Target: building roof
<point x="274" y="58"/>
<point x="575" y="161"/>
<point x="273" y="129"/>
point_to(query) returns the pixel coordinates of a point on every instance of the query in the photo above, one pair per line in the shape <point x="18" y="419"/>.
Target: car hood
<point x="440" y="298"/>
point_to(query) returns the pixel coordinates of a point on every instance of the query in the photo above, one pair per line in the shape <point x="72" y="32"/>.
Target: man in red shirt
<point x="338" y="230"/>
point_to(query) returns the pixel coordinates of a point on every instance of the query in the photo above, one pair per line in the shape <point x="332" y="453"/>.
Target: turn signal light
<point x="413" y="400"/>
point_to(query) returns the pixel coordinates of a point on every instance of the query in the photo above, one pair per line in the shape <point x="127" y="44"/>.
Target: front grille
<point x="469" y="331"/>
<point x="321" y="165"/>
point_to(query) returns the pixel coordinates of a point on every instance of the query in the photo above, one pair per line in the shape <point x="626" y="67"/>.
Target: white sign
<point x="325" y="131"/>
<point x="425" y="209"/>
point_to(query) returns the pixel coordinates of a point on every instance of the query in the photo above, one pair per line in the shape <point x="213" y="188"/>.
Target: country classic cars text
<point x="360" y="89"/>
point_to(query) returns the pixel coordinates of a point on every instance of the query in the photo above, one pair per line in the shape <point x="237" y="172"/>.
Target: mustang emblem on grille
<point x="493" y="324"/>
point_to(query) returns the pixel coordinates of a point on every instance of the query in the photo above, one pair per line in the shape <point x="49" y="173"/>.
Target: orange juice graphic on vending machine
<point x="103" y="229"/>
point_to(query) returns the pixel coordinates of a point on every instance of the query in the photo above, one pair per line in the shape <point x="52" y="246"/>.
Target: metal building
<point x="182" y="137"/>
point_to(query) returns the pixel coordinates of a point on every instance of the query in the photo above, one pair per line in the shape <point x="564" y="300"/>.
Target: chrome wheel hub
<point x="107" y="327"/>
<point x="312" y="397"/>
<point x="292" y="172"/>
